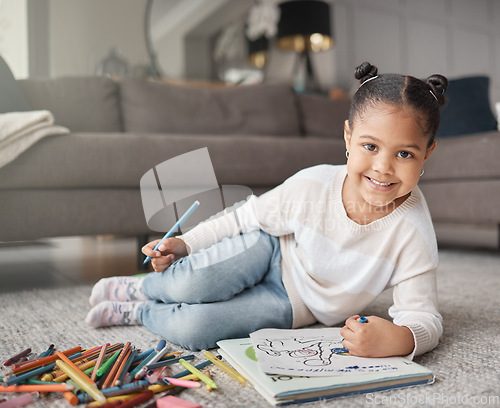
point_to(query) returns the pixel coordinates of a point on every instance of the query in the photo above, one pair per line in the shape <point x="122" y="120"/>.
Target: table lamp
<point x="304" y="27"/>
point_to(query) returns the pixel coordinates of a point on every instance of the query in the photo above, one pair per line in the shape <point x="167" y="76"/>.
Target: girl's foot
<point x="110" y="313"/>
<point x="118" y="288"/>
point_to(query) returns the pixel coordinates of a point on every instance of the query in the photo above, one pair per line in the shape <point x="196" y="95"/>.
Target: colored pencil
<point x="81" y="381"/>
<point x="118" y="366"/>
<point x="100" y="359"/>
<point x="74" y="367"/>
<point x="224" y="367"/>
<point x="46" y="360"/>
<point x="198" y="373"/>
<point x="15" y="358"/>
<point x="37" y="388"/>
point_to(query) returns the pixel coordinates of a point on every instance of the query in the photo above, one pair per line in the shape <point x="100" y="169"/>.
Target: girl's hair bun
<point x="438" y="85"/>
<point x="365" y="71"/>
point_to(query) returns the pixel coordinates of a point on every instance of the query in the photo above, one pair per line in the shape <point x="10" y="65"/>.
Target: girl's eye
<point x="370" y="147"/>
<point x="405" y="155"/>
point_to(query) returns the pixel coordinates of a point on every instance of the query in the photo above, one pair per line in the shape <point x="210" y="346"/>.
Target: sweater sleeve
<point x="265" y="212"/>
<point x="228" y="223"/>
<point x="415" y="306"/>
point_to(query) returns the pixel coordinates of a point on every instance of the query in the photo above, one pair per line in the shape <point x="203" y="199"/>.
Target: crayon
<point x="107" y="364"/>
<point x="74" y="367"/>
<point x="181" y="383"/>
<point x="70" y="397"/>
<point x="224" y="367"/>
<point x="20" y="401"/>
<point x="363" y="319"/>
<point x="198" y="373"/>
<point x="138" y="400"/>
<point x="115" y="391"/>
<point x="207" y="373"/>
<point x="126" y="367"/>
<point x="82" y="381"/>
<point x="17" y="357"/>
<point x="47" y="352"/>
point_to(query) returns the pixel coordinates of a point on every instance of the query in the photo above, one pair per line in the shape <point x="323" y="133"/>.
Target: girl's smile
<point x="387" y="151"/>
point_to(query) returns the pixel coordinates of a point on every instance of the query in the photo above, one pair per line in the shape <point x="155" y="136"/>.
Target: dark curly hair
<point x="425" y="98"/>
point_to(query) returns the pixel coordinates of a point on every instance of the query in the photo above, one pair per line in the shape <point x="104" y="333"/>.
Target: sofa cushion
<point x="11" y="97"/>
<point x="468" y="108"/>
<point x="469" y="157"/>
<point x="162" y="108"/>
<point x="82" y="104"/>
<point x="119" y="160"/>
<point x="322" y="117"/>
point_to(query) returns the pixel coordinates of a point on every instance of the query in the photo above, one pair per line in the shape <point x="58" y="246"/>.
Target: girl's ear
<point x="347" y="134"/>
<point x="429" y="150"/>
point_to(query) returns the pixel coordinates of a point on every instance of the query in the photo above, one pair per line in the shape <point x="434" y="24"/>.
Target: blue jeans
<point x="218" y="293"/>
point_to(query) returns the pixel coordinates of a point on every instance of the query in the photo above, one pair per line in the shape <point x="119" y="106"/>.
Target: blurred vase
<point x="113" y="65"/>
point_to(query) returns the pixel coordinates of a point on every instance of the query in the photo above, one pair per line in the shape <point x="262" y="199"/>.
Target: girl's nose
<point x="383" y="165"/>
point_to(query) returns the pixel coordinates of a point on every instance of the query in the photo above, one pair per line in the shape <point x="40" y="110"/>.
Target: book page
<point x="314" y="352"/>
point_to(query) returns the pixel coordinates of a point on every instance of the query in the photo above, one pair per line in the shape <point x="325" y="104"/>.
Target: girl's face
<point x="387" y="151"/>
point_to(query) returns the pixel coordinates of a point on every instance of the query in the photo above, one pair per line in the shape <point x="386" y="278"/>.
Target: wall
<point x="14" y="35"/>
<point x="418" y="37"/>
<point x="83" y="32"/>
<point x="452" y="37"/>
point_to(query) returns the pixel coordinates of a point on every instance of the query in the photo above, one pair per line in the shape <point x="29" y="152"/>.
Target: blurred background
<point x="208" y="40"/>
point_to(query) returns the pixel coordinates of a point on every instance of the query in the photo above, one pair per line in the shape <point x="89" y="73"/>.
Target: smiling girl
<point x="318" y="248"/>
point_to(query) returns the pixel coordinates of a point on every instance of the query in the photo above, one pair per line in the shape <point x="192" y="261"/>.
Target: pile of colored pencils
<point x="117" y="375"/>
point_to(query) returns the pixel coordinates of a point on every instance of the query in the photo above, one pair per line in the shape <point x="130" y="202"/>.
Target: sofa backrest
<point x="322" y="117"/>
<point x="82" y="104"/>
<point x="155" y="107"/>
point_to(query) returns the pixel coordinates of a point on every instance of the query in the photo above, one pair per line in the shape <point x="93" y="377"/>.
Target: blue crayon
<point x="363" y="319"/>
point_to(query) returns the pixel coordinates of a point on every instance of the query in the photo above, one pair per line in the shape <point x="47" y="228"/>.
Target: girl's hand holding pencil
<point x="167" y="248"/>
<point x="167" y="253"/>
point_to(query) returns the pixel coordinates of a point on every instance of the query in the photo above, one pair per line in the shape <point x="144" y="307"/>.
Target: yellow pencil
<point x="224" y="367"/>
<point x="198" y="373"/>
<point x="92" y="390"/>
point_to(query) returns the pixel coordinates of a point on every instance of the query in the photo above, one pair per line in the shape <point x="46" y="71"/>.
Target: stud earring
<point x="346" y="154"/>
<point x="422" y="172"/>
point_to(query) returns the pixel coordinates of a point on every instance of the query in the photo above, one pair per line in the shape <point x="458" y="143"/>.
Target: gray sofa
<point x="87" y="183"/>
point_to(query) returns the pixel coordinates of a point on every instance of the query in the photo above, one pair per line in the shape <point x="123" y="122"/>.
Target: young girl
<point x="318" y="248"/>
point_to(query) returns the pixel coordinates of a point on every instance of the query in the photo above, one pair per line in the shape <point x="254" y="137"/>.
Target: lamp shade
<point x="257" y="51"/>
<point x="304" y="25"/>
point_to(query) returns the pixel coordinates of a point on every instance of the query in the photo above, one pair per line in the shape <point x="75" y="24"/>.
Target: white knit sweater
<point x="333" y="267"/>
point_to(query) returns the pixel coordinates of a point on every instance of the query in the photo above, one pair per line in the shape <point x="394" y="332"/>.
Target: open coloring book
<point x="307" y="366"/>
<point x="313" y="352"/>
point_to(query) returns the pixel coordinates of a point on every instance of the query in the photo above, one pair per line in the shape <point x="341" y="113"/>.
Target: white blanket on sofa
<point x="20" y="130"/>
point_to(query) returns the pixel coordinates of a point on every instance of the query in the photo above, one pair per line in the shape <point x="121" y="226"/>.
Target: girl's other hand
<point x="169" y="251"/>
<point x="376" y="338"/>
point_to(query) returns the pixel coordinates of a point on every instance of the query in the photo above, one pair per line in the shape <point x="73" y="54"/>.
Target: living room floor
<point x="57" y="262"/>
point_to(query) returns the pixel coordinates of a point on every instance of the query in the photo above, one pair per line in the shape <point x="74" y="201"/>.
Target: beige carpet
<point x="466" y="362"/>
